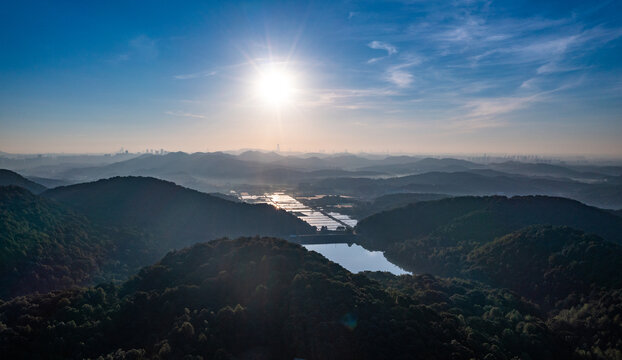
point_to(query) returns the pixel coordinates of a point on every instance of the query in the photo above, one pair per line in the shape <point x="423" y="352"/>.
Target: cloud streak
<point x="349" y="99"/>
<point x="185" y="114"/>
<point x="380" y="45"/>
<point x="200" y="74"/>
<point x="398" y="74"/>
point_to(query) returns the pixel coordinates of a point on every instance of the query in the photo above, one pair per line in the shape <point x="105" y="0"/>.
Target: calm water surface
<point x="355" y="258"/>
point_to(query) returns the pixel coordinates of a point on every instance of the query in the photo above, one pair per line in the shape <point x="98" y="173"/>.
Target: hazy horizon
<point x="525" y="157"/>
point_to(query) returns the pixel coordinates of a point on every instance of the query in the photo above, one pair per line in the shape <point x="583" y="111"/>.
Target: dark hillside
<point x="483" y="218"/>
<point x="437" y="236"/>
<point x="176" y="215"/>
<point x="44" y="246"/>
<point x="8" y="177"/>
<point x="548" y="263"/>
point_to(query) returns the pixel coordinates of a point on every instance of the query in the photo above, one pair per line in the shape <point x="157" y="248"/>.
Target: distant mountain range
<point x="207" y="171"/>
<point x="49" y="165"/>
<point x="474" y="182"/>
<point x="340" y="174"/>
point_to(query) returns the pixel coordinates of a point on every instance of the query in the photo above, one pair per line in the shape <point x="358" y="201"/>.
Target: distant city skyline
<point x="416" y="77"/>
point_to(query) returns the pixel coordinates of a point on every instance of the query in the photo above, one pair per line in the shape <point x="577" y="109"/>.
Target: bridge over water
<point x="323" y="238"/>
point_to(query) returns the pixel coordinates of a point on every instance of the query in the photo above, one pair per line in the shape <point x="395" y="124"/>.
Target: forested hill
<point x="481" y="219"/>
<point x="437" y="236"/>
<point x="44" y="246"/>
<point x="546" y="263"/>
<point x="176" y="215"/>
<point x="8" y="177"/>
<point x="269" y="299"/>
<point x="574" y="277"/>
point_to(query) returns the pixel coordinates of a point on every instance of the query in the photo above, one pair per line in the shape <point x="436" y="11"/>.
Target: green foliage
<point x="266" y="298"/>
<point x="574" y="278"/>
<point x="548" y="264"/>
<point x="44" y="246"/>
<point x="592" y="323"/>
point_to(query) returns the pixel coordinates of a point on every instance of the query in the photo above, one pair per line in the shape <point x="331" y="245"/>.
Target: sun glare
<point x="275" y="85"/>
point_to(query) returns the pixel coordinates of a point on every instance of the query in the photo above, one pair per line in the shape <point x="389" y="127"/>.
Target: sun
<point x="275" y="85"/>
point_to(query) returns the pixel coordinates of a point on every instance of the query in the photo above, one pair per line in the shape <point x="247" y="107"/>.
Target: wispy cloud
<point x="550" y="48"/>
<point x="351" y="99"/>
<point x="225" y="69"/>
<point x="555" y="67"/>
<point x="398" y="74"/>
<point x="400" y="78"/>
<point x="380" y="45"/>
<point x="492" y="107"/>
<point x="185" y="114"/>
<point x="200" y="74"/>
<point x="529" y="84"/>
<point x="489" y="112"/>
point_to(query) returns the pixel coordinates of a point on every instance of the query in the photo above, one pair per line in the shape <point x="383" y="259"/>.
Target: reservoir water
<point x="352" y="257"/>
<point x="355" y="258"/>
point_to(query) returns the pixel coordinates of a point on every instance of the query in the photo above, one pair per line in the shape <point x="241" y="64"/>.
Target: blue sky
<point x="408" y="76"/>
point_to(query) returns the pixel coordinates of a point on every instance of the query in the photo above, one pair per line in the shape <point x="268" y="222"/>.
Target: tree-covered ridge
<point x="177" y="216"/>
<point x="547" y="264"/>
<point x="44" y="246"/>
<point x="8" y="178"/>
<point x="270" y="299"/>
<point x="481" y="218"/>
<point x="437" y="236"/>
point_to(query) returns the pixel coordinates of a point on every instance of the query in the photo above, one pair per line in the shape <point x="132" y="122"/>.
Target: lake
<point x="355" y="258"/>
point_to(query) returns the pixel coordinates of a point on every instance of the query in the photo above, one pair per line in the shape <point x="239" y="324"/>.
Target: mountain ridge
<point x="8" y="177"/>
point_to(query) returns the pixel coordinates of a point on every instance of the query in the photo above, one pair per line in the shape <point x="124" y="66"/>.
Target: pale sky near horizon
<point x="463" y="76"/>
